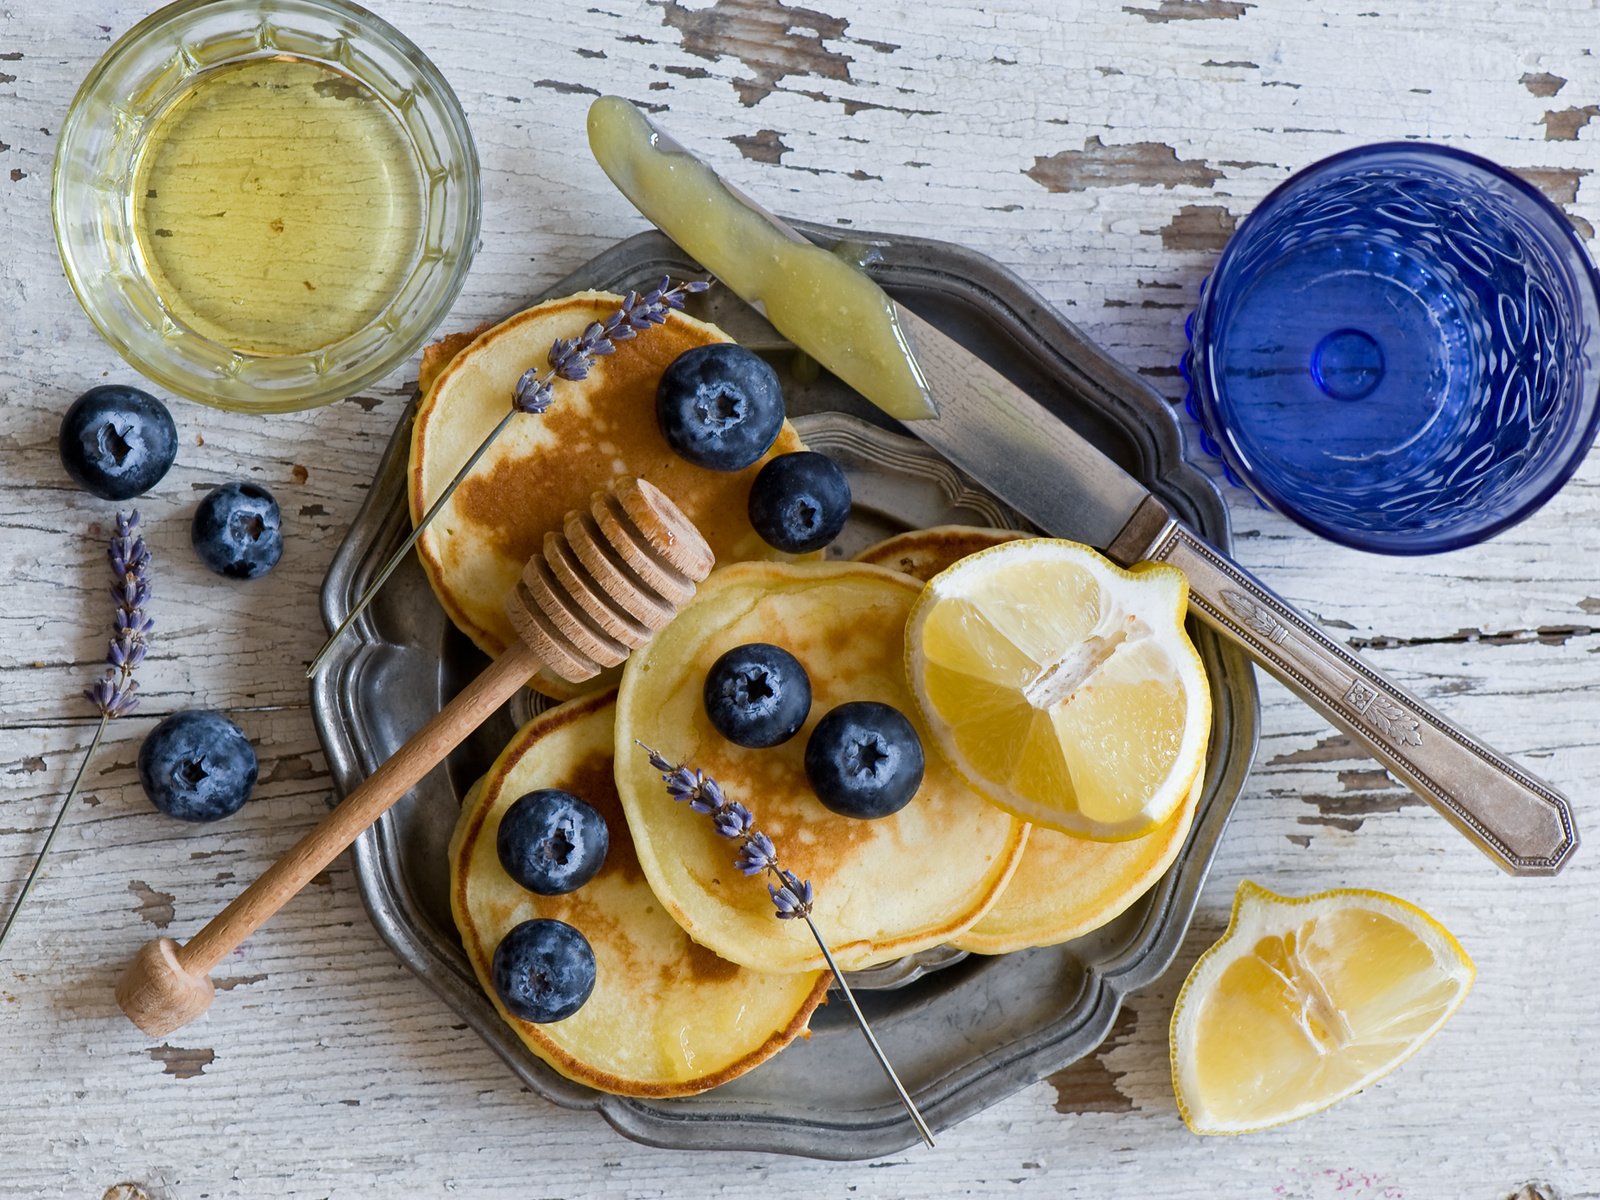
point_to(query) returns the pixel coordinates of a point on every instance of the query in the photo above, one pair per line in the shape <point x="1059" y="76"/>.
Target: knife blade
<point x="1005" y="439"/>
<point x="1008" y="442"/>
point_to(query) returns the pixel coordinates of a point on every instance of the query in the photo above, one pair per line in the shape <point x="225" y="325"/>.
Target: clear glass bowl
<point x="1400" y="349"/>
<point x="97" y="158"/>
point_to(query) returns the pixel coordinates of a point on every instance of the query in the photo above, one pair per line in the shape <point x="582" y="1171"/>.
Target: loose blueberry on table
<point x="117" y="441"/>
<point x="757" y="695"/>
<point x="864" y="759"/>
<point x="720" y="406"/>
<point x="799" y="502"/>
<point x="551" y="842"/>
<point x="237" y="531"/>
<point x="197" y="766"/>
<point x="543" y="970"/>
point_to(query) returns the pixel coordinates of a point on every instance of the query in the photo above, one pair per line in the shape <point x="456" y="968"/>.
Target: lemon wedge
<point x="1061" y="686"/>
<point x="1305" y="1001"/>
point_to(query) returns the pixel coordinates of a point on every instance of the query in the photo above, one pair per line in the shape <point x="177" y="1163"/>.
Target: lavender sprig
<point x="115" y="693"/>
<point x="569" y="359"/>
<point x="792" y="896"/>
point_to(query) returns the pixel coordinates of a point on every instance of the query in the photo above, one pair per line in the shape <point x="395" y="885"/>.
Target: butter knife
<point x="983" y="423"/>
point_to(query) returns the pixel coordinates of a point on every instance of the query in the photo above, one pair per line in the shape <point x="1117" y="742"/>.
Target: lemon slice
<point x="1305" y="1001"/>
<point x="1063" y="687"/>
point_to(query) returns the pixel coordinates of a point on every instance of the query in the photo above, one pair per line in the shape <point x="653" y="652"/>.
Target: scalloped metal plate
<point x="963" y="1031"/>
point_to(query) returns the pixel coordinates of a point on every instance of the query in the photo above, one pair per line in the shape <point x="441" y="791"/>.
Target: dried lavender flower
<point x="791" y="896"/>
<point x="756" y="855"/>
<point x="115" y="694"/>
<point x="569" y="359"/>
<point x="734" y="820"/>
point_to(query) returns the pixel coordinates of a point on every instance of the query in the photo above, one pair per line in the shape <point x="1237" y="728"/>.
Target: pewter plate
<point x="963" y="1031"/>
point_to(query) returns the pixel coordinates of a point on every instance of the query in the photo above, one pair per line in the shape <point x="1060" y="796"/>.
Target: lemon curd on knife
<point x="277" y="205"/>
<point x="825" y="305"/>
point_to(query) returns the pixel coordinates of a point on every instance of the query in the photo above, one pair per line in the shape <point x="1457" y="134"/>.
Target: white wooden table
<point x="1102" y="151"/>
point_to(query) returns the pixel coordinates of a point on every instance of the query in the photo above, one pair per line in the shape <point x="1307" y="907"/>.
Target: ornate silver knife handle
<point x="1515" y="818"/>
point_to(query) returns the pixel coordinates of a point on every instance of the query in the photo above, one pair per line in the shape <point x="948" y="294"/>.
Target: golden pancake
<point x="923" y="553"/>
<point x="884" y="888"/>
<point x="667" y="1017"/>
<point x="1064" y="886"/>
<point x="540" y="467"/>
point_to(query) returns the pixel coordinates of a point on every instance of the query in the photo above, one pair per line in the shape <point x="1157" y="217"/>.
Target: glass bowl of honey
<point x="265" y="205"/>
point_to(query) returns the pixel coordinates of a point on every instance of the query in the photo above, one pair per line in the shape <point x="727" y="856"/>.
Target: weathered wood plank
<point x="1101" y="151"/>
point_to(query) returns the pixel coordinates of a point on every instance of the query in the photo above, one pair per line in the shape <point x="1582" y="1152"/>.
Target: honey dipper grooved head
<point x="612" y="576"/>
<point x="645" y="563"/>
<point x="655" y="515"/>
<point x="582" y="587"/>
<point x="610" y="580"/>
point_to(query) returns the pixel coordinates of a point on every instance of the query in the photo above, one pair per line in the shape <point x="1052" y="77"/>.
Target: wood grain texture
<point x="1101" y="151"/>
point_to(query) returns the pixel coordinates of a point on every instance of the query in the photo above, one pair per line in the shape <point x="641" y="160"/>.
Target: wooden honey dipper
<point x="603" y="587"/>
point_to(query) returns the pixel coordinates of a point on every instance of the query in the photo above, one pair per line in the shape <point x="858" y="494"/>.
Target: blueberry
<point x="720" y="406"/>
<point x="551" y="842"/>
<point x="543" y="970"/>
<point x="864" y="759"/>
<point x="799" y="502"/>
<point x="197" y="766"/>
<point x="237" y="531"/>
<point x="117" y="441"/>
<point x="757" y="695"/>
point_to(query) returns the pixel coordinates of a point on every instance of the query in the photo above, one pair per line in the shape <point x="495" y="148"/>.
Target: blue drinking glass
<point x="1398" y="349"/>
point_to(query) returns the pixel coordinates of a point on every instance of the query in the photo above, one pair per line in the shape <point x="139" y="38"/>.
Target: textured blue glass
<point x="1398" y="349"/>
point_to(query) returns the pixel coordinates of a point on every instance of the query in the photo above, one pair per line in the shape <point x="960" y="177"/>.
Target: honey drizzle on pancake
<point x="578" y="638"/>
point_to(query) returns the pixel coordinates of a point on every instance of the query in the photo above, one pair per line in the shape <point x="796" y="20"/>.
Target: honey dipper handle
<point x="425" y="750"/>
<point x="165" y="986"/>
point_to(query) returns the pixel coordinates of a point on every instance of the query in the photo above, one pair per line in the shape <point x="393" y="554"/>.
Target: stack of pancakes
<point x="696" y="979"/>
<point x="667" y="1017"/>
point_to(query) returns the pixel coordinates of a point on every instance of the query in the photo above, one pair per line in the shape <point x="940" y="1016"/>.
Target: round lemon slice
<point x="1062" y="686"/>
<point x="1305" y="1001"/>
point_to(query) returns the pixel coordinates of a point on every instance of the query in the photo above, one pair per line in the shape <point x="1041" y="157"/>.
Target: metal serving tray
<point x="963" y="1031"/>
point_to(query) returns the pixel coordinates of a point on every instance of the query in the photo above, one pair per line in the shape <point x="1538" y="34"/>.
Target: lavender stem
<point x="115" y="694"/>
<point x="404" y="548"/>
<point x="866" y="1032"/>
<point x="791" y="896"/>
<point x="55" y="828"/>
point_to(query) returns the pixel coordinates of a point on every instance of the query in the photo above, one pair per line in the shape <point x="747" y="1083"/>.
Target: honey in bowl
<point x="278" y="205"/>
<point x="265" y="205"/>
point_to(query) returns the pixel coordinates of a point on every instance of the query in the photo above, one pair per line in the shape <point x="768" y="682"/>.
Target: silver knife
<point x="1016" y="448"/>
